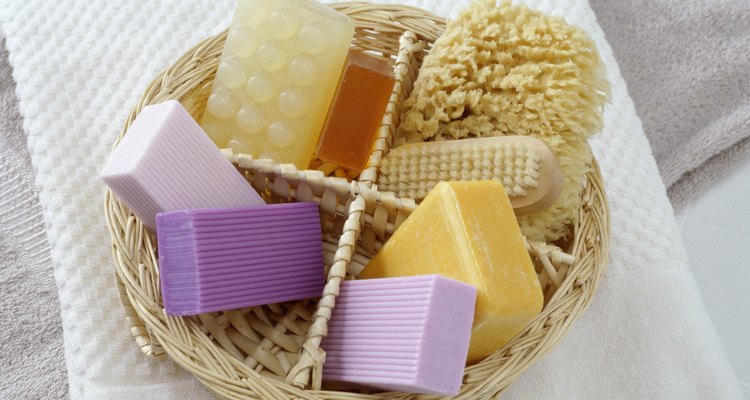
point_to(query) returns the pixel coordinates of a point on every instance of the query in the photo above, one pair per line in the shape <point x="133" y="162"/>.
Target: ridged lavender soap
<point x="406" y="334"/>
<point x="223" y="259"/>
<point x="166" y="162"/>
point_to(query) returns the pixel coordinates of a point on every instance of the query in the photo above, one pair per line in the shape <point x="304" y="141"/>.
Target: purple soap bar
<point x="166" y="162"/>
<point x="406" y="334"/>
<point x="222" y="259"/>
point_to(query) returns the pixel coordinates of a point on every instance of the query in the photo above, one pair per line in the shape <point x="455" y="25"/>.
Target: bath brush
<point x="525" y="166"/>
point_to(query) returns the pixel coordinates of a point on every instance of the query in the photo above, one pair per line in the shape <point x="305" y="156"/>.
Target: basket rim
<point x="569" y="301"/>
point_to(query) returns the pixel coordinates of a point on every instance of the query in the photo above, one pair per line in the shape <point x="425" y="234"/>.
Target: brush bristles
<point x="413" y="170"/>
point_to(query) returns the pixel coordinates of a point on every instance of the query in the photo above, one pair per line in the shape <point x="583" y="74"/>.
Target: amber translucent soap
<point x="357" y="111"/>
<point x="467" y="231"/>
<point x="277" y="76"/>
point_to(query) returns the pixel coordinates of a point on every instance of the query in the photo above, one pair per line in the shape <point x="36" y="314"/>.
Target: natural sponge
<point x="507" y="70"/>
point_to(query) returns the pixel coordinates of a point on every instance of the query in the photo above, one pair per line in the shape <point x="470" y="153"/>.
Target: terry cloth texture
<point x="32" y="364"/>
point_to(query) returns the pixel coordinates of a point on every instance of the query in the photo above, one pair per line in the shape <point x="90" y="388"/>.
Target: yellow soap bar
<point x="467" y="231"/>
<point x="277" y="76"/>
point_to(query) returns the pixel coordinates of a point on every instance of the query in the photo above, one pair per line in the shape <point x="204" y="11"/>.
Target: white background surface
<point x="716" y="230"/>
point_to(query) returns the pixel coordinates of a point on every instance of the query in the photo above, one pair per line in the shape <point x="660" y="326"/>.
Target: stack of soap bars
<point x="467" y="231"/>
<point x="285" y="77"/>
<point x="452" y="285"/>
<point x="213" y="255"/>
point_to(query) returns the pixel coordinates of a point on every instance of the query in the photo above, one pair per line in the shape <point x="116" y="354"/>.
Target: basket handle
<point x="312" y="355"/>
<point x="404" y="72"/>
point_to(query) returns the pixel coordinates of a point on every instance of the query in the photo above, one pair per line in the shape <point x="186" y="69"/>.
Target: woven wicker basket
<point x="273" y="351"/>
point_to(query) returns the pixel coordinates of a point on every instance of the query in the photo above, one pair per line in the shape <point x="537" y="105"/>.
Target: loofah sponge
<point x="508" y="70"/>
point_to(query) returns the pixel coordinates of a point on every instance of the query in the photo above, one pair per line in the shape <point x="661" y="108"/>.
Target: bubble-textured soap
<point x="223" y="259"/>
<point x="277" y="76"/>
<point x="405" y="334"/>
<point x="166" y="162"/>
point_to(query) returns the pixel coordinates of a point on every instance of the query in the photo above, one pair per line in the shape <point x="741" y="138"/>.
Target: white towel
<point x="80" y="66"/>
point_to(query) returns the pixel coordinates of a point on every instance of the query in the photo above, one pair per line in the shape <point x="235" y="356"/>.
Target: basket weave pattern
<point x="273" y="351"/>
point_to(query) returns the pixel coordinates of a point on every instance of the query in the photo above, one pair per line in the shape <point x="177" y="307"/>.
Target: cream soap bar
<point x="277" y="77"/>
<point x="166" y="162"/>
<point x="467" y="231"/>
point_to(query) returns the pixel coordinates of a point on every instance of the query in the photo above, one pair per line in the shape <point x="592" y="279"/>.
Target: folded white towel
<point x="81" y="66"/>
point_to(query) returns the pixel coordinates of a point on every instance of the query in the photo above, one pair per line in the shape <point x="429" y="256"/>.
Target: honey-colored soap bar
<point x="467" y="231"/>
<point x="277" y="76"/>
<point x="357" y="111"/>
